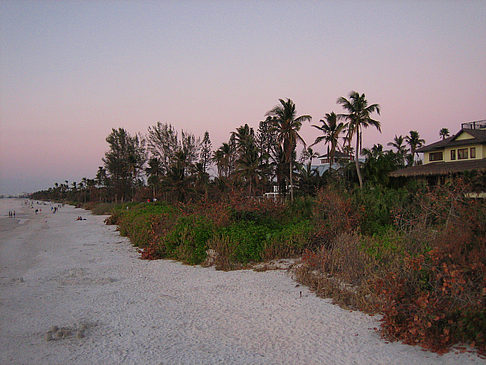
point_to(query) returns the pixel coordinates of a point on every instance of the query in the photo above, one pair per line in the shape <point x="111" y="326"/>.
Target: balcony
<point x="478" y="124"/>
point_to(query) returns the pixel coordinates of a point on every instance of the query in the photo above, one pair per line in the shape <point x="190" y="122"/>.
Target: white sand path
<point x="55" y="270"/>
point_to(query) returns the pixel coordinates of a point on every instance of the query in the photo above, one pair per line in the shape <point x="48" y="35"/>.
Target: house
<point x="464" y="151"/>
<point x="339" y="157"/>
<point x="274" y="195"/>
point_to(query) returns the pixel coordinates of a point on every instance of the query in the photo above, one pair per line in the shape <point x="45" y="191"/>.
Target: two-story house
<point x="464" y="151"/>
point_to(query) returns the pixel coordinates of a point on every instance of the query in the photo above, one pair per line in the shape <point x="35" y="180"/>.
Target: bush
<point x="187" y="240"/>
<point x="224" y="250"/>
<point x="377" y="204"/>
<point x="290" y="241"/>
<point x="99" y="208"/>
<point x="438" y="298"/>
<point x="343" y="272"/>
<point x="333" y="214"/>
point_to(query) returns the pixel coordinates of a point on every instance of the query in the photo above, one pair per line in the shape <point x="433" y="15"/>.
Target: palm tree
<point x="249" y="167"/>
<point x="287" y="126"/>
<point x="444" y="133"/>
<point x="248" y="162"/>
<point x="398" y="144"/>
<point x="415" y="142"/>
<point x="358" y="117"/>
<point x="222" y="159"/>
<point x="244" y="136"/>
<point x="154" y="172"/>
<point x="331" y="130"/>
<point x="375" y="152"/>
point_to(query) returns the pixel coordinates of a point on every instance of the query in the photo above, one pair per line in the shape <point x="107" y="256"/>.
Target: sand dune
<point x="75" y="292"/>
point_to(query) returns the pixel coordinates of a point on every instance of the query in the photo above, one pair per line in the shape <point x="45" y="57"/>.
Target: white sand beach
<point x="110" y="307"/>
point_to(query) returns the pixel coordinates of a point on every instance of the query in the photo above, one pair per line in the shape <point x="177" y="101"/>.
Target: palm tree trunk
<point x="356" y="159"/>
<point x="291" y="185"/>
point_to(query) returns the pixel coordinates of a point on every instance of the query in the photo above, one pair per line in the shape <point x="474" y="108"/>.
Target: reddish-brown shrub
<point x="333" y="214"/>
<point x="438" y="298"/>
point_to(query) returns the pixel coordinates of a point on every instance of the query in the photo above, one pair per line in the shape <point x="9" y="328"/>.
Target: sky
<point x="71" y="71"/>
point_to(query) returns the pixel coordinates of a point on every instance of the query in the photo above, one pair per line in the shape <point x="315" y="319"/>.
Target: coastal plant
<point x="224" y="249"/>
<point x="290" y="241"/>
<point x="188" y="239"/>
<point x="343" y="272"/>
<point x="437" y="298"/>
<point x="333" y="213"/>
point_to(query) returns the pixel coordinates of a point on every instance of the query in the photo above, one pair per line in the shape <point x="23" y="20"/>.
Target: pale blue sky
<point x="72" y="70"/>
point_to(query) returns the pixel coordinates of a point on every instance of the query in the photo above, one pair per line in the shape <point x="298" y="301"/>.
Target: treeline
<point x="415" y="253"/>
<point x="171" y="165"/>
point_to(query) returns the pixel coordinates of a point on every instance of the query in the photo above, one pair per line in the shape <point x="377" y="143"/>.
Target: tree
<point x="358" y="117"/>
<point x="266" y="139"/>
<point x="243" y="137"/>
<point x="154" y="172"/>
<point x="124" y="161"/>
<point x="247" y="162"/>
<point x="307" y="154"/>
<point x="287" y="126"/>
<point x="331" y="130"/>
<point x="191" y="146"/>
<point x="101" y="177"/>
<point x="379" y="164"/>
<point x="162" y="142"/>
<point x="205" y="152"/>
<point x="444" y="133"/>
<point x="248" y="165"/>
<point x="308" y="179"/>
<point x="398" y="144"/>
<point x="415" y="142"/>
<point x="178" y="177"/>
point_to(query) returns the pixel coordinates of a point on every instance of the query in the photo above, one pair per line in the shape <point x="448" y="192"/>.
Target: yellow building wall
<point x="480" y="153"/>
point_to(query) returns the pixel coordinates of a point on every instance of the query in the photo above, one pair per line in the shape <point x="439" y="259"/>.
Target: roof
<point x="441" y="168"/>
<point x="337" y="154"/>
<point x="479" y="136"/>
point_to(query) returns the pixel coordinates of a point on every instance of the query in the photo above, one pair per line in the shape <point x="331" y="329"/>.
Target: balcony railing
<point x="478" y="124"/>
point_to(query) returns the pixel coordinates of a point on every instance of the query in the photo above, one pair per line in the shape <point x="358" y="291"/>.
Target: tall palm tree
<point x="358" y="117"/>
<point x="398" y="144"/>
<point x="444" y="133"/>
<point x="415" y="142"/>
<point x="287" y="126"/>
<point x="244" y="136"/>
<point x="249" y="167"/>
<point x="154" y="172"/>
<point x="331" y="130"/>
<point x="222" y="158"/>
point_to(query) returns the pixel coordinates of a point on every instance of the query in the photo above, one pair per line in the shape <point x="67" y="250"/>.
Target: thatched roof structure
<point x="441" y="168"/>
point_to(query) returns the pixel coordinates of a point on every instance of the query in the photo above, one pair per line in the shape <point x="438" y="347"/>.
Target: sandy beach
<point x="110" y="307"/>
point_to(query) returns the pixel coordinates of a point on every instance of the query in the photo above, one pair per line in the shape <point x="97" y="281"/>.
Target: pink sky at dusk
<point x="71" y="71"/>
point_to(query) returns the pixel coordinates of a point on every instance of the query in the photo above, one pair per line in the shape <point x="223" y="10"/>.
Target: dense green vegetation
<point x="415" y="253"/>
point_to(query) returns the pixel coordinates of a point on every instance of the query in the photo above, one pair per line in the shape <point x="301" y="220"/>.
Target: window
<point x="472" y="152"/>
<point x="453" y="154"/>
<point x="435" y="156"/>
<point x="462" y="153"/>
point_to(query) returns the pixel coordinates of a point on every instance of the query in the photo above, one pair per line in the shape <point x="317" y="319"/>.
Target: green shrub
<point x="188" y="239"/>
<point x="290" y="241"/>
<point x="250" y="239"/>
<point x="378" y="205"/>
